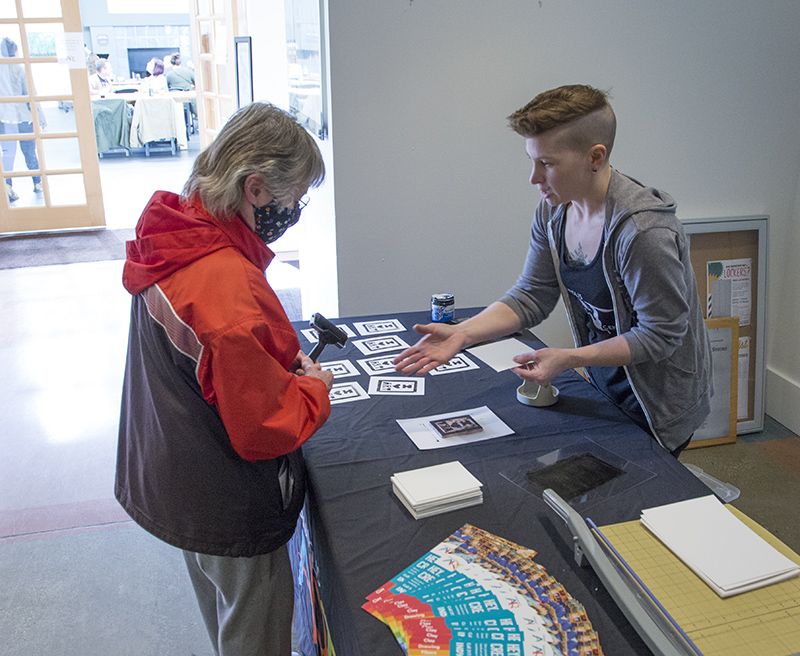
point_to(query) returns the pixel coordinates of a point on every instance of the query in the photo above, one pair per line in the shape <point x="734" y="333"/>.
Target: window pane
<point x="212" y="118"/>
<point x="51" y="80"/>
<point x="42" y="38"/>
<point x="220" y="42"/>
<point x="8" y="9"/>
<point x="208" y="78"/>
<point x="223" y="80"/>
<point x="10" y="32"/>
<point x="67" y="189"/>
<point x="59" y="115"/>
<point x="41" y="8"/>
<point x="24" y="193"/>
<point x="205" y="37"/>
<point x="19" y="155"/>
<point x="61" y="153"/>
<point x="12" y="83"/>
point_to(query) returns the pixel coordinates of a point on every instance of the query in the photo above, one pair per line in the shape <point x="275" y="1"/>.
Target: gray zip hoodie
<point x="656" y="304"/>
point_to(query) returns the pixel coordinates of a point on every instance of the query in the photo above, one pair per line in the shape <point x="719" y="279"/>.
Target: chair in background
<point x="112" y="125"/>
<point x="157" y="121"/>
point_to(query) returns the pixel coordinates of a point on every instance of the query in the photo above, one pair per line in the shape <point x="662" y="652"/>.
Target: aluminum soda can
<point x="443" y="308"/>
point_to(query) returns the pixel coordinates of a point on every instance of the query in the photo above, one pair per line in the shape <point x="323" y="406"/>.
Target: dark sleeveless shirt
<point x="593" y="306"/>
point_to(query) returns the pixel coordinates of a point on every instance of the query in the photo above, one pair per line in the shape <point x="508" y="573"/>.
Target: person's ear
<point x="597" y="155"/>
<point x="254" y="190"/>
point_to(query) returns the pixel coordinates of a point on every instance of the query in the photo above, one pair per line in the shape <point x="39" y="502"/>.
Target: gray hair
<point x="263" y="139"/>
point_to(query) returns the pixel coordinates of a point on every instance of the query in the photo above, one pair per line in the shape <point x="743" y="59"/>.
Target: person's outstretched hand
<point x="439" y="343"/>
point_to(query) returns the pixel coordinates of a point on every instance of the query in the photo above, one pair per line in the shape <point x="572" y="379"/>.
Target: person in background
<point x="615" y="252"/>
<point x="180" y="78"/>
<point x="156" y="83"/>
<point x="100" y="82"/>
<point x="16" y="118"/>
<point x="217" y="395"/>
<point x="91" y="60"/>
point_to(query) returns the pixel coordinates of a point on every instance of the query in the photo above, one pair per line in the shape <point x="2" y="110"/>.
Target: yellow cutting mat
<point x="764" y="622"/>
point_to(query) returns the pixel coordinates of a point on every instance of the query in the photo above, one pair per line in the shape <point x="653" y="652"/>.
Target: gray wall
<point x="431" y="188"/>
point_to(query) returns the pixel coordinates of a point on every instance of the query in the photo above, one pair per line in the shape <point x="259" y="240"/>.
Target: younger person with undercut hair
<point x="616" y="253"/>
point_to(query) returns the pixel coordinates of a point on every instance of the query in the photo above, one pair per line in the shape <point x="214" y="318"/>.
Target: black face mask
<point x="272" y="220"/>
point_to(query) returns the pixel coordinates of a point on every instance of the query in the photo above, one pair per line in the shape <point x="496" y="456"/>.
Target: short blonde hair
<point x="584" y="108"/>
<point x="263" y="139"/>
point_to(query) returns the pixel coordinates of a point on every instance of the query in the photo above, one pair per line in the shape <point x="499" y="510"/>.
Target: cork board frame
<point x="745" y="238"/>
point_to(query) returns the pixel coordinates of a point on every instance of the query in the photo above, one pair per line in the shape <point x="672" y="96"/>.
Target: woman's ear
<point x="254" y="190"/>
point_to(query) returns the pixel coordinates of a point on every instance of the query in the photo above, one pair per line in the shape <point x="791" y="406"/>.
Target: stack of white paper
<point x="437" y="489"/>
<point x="717" y="546"/>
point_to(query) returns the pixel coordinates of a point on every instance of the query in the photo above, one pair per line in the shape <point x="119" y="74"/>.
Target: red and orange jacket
<point x="212" y="419"/>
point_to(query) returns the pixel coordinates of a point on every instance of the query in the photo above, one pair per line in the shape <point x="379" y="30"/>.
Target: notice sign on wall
<point x="729" y="289"/>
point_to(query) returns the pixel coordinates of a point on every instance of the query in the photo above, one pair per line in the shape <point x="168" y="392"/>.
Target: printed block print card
<point x="459" y="362"/>
<point x="379" y="327"/>
<point x="313" y="336"/>
<point x="382" y="364"/>
<point x="340" y="368"/>
<point x="373" y="345"/>
<point x="397" y="386"/>
<point x="345" y="392"/>
<point x="449" y="429"/>
<point x="477" y="593"/>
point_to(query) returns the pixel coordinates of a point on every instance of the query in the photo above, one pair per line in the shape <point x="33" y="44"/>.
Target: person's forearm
<point x="613" y="352"/>
<point x="497" y="320"/>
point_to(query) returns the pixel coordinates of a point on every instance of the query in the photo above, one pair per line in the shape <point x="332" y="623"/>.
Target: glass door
<point x="49" y="158"/>
<point x="214" y="23"/>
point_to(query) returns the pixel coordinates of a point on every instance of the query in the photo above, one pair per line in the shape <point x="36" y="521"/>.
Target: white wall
<point x="431" y="187"/>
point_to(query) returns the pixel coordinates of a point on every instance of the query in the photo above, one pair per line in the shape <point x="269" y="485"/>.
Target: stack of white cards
<point x="726" y="554"/>
<point x="437" y="489"/>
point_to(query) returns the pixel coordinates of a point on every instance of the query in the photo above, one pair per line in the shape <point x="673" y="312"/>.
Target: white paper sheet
<point x="499" y="355"/>
<point x="425" y="436"/>
<point x="437" y="483"/>
<point x="717" y="546"/>
<point x="459" y="362"/>
<point x="379" y="327"/>
<point x="379" y="344"/>
<point x="313" y="336"/>
<point x="406" y="386"/>
<point x="340" y="368"/>
<point x="346" y="392"/>
<point x="382" y="364"/>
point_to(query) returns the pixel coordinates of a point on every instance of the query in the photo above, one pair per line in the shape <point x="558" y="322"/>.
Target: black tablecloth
<point x="362" y="535"/>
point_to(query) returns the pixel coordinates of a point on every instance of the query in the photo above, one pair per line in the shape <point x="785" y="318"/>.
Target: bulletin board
<point x="729" y="257"/>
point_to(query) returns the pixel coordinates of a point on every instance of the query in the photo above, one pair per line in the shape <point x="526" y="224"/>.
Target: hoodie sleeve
<point x="655" y="278"/>
<point x="267" y="411"/>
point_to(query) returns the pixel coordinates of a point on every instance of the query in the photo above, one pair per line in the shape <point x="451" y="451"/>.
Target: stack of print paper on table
<point x="478" y="594"/>
<point x="717" y="546"/>
<point x="437" y="489"/>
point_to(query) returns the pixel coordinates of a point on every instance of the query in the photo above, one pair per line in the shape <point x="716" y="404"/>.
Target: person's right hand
<point x="440" y="342"/>
<point x="305" y="366"/>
